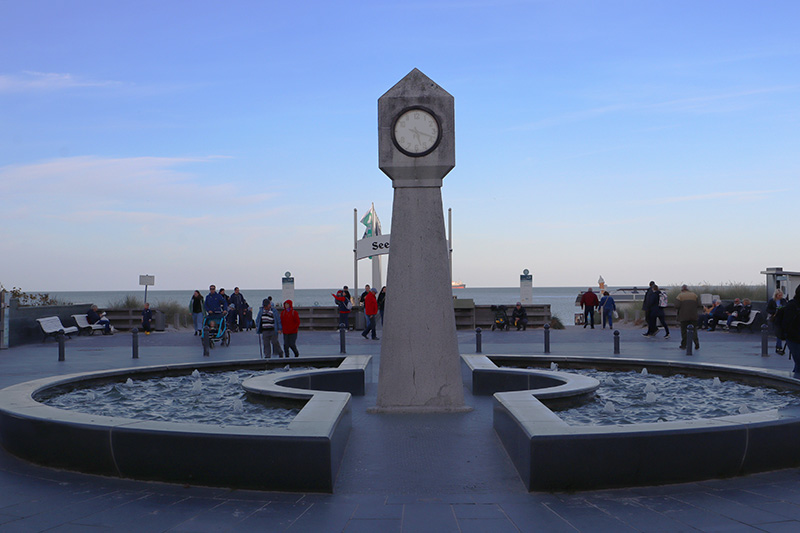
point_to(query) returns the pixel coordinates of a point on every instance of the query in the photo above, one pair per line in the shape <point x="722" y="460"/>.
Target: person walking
<point x="687" y="305"/>
<point x="773" y="305"/>
<point x="650" y="301"/>
<point x="197" y="309"/>
<point x="787" y="324"/>
<point x="588" y="302"/>
<point x="240" y="307"/>
<point x="381" y="302"/>
<point x="607" y="308"/>
<point x="371" y="310"/>
<point x="290" y="324"/>
<point x="657" y="311"/>
<point x="268" y="326"/>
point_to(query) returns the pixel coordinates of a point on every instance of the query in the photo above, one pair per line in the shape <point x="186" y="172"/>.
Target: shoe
<point x="584" y="326"/>
<point x="375" y="338"/>
<point x="681" y="347"/>
<point x="645" y="334"/>
<point x="363" y="335"/>
<point x="666" y="336"/>
<point x="780" y="352"/>
<point x="697" y="347"/>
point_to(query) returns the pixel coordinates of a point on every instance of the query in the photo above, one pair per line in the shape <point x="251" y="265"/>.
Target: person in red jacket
<point x="588" y="302"/>
<point x="371" y="310"/>
<point x="290" y="323"/>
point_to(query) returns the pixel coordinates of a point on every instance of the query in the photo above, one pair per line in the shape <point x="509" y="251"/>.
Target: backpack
<point x="348" y="304"/>
<point x="662" y="299"/>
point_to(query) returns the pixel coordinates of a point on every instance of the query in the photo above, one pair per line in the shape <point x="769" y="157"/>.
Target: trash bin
<point x="160" y="320"/>
<point x="359" y="320"/>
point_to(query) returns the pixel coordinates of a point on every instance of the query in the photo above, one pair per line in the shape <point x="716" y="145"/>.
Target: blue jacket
<point x="607" y="303"/>
<point x="216" y="303"/>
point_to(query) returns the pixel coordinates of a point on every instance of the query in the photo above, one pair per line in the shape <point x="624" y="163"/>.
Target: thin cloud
<point x="48" y="81"/>
<point x="749" y="195"/>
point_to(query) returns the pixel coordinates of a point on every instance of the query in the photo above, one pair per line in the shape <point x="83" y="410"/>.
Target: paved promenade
<point x="410" y="473"/>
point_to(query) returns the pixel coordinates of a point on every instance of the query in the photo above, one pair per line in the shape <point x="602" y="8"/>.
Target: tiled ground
<point x="400" y="473"/>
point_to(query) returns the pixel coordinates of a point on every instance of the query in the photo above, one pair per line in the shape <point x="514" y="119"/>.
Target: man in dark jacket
<point x="588" y="302"/>
<point x="687" y="305"/>
<point x="787" y="323"/>
<point x="649" y="305"/>
<point x="240" y="304"/>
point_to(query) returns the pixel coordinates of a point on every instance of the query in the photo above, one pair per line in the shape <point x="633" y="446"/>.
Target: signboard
<point x="377" y="245"/>
<point x="147" y="280"/>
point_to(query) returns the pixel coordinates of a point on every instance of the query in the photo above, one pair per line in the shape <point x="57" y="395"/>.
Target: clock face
<point x="416" y="132"/>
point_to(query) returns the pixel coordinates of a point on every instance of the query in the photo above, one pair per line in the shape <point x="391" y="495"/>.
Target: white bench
<point x="739" y="325"/>
<point x="83" y="324"/>
<point x="52" y="326"/>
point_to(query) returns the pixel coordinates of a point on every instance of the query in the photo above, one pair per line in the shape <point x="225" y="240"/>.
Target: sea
<point x="561" y="299"/>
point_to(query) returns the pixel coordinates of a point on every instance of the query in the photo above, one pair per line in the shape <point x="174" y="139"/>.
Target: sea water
<point x="561" y="299"/>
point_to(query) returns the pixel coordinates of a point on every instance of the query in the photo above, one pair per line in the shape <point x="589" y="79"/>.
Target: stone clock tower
<point x="420" y="369"/>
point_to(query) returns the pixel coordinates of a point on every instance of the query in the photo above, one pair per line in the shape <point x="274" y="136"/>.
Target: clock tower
<point x="420" y="368"/>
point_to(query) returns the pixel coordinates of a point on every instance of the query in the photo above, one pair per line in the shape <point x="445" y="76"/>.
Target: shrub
<point x="555" y="322"/>
<point x="32" y="299"/>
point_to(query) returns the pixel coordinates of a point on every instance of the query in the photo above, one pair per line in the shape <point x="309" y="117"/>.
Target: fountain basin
<point x="551" y="455"/>
<point x="304" y="456"/>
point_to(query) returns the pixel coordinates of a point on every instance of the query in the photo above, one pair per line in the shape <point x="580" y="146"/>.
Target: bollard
<point x="206" y="342"/>
<point x="135" y="342"/>
<point x="764" y="340"/>
<point x="478" y="345"/>
<point x="616" y="342"/>
<point x="61" y="337"/>
<point x="342" y="347"/>
<point x="690" y="337"/>
<point x="547" y="338"/>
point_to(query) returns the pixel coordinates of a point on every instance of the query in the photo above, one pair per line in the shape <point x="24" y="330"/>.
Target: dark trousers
<point x="290" y="343"/>
<point x="271" y="343"/>
<point x="658" y="314"/>
<point x="371" y="324"/>
<point x="588" y="314"/>
<point x="684" y="332"/>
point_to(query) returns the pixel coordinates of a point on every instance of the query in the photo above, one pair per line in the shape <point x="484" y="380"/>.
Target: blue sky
<point x="208" y="142"/>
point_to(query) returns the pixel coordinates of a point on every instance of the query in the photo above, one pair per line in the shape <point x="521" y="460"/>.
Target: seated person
<point x="735" y="312"/>
<point x="717" y="313"/>
<point x="93" y="317"/>
<point x="702" y="320"/>
<point x="519" y="317"/>
<point x="147" y="317"/>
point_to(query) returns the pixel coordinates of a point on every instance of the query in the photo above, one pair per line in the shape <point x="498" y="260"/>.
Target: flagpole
<point x="450" y="240"/>
<point x="355" y="251"/>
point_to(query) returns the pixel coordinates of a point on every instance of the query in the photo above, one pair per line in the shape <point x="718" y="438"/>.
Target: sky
<point x="208" y="142"/>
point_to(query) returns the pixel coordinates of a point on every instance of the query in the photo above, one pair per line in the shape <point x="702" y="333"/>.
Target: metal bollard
<point x="478" y="346"/>
<point x="135" y="342"/>
<point x="206" y="342"/>
<point x="342" y="347"/>
<point x="616" y="342"/>
<point x="690" y="337"/>
<point x="764" y="340"/>
<point x="547" y="338"/>
<point x="61" y="349"/>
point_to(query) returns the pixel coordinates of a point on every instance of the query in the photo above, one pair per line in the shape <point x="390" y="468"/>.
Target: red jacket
<point x="370" y="304"/>
<point x="588" y="300"/>
<point x="290" y="320"/>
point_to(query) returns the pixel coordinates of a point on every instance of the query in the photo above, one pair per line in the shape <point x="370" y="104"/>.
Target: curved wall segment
<point x="551" y="455"/>
<point x="304" y="456"/>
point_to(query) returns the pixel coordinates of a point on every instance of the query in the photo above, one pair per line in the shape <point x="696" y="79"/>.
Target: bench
<point x="51" y="327"/>
<point x="83" y="324"/>
<point x="739" y="325"/>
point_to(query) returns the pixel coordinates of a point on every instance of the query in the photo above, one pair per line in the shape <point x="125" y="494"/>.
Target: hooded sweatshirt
<point x="290" y="319"/>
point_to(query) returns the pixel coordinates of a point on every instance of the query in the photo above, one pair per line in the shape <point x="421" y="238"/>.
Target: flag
<point x="372" y="223"/>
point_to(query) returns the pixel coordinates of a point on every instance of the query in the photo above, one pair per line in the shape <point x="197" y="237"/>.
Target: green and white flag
<point x="372" y="223"/>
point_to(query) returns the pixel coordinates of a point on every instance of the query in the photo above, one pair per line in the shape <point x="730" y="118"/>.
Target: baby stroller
<point x="217" y="330"/>
<point x="500" y="318"/>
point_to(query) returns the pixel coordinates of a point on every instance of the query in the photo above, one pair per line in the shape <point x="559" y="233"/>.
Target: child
<point x="147" y="316"/>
